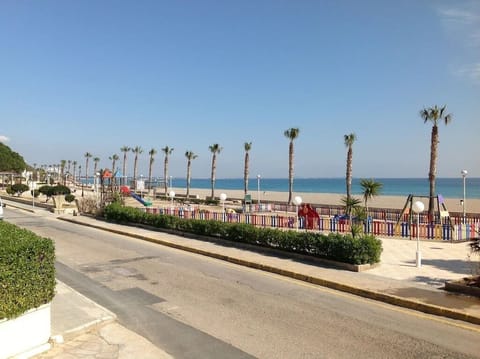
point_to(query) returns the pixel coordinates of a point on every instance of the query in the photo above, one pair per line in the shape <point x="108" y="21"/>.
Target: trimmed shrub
<point x="27" y="270"/>
<point x="19" y="188"/>
<point x="335" y="246"/>
<point x="69" y="198"/>
<point x="9" y="190"/>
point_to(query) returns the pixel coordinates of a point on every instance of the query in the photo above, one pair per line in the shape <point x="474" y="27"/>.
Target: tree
<point x="125" y="150"/>
<point x="62" y="170"/>
<point x="434" y="115"/>
<point x="87" y="156"/>
<point x="74" y="172"/>
<point x="215" y="149"/>
<point x="350" y="203"/>
<point x="349" y="140"/>
<point x="167" y="151"/>
<point x="95" y="167"/>
<point x="137" y="150"/>
<point x="190" y="156"/>
<point x="247" y="146"/>
<point x="370" y="189"/>
<point x="151" y="153"/>
<point x="114" y="158"/>
<point x="10" y="161"/>
<point x="291" y="134"/>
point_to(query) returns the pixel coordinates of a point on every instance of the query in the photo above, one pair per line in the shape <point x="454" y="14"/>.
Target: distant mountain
<point x="11" y="161"/>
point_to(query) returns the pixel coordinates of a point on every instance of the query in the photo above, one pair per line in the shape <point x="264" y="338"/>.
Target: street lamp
<point x="297" y="201"/>
<point x="223" y="197"/>
<point x="464" y="175"/>
<point x="418" y="208"/>
<point x="172" y="196"/>
<point x="258" y="190"/>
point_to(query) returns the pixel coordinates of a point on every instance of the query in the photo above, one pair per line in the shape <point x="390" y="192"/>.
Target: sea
<point x="447" y="187"/>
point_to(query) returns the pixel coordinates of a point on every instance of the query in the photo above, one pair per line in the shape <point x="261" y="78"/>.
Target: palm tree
<point x="349" y="140"/>
<point x="34" y="174"/>
<point x="125" y="150"/>
<point x="74" y="172"/>
<point x="350" y="203"/>
<point x="434" y="114"/>
<point x="137" y="150"/>
<point x="167" y="151"/>
<point x="151" y="153"/>
<point x="215" y="149"/>
<point x="190" y="156"/>
<point x="95" y="167"/>
<point x="69" y="164"/>
<point x="247" y="146"/>
<point x="370" y="189"/>
<point x="63" y="163"/>
<point x="87" y="156"/>
<point x="114" y="158"/>
<point x="291" y="134"/>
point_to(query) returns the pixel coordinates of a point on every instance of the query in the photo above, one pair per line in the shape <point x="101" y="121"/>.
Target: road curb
<point x="365" y="293"/>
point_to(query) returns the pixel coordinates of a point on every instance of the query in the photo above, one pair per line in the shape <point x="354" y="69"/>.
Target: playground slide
<point x="140" y="199"/>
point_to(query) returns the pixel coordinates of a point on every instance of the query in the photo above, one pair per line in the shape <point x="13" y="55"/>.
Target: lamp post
<point x="464" y="175"/>
<point x="223" y="197"/>
<point x="297" y="201"/>
<point x="418" y="208"/>
<point x="258" y="190"/>
<point x="172" y="196"/>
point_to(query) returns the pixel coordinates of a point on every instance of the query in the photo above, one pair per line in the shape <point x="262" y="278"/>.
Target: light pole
<point x="172" y="196"/>
<point x="464" y="175"/>
<point x="297" y="201"/>
<point x="418" y="208"/>
<point x="223" y="197"/>
<point x="258" y="190"/>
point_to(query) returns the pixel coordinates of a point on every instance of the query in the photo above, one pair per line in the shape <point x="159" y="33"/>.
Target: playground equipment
<point x="309" y="213"/>
<point x="125" y="190"/>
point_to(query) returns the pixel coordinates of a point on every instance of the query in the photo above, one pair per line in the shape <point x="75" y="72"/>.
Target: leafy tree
<point x="214" y="149"/>
<point x="349" y="140"/>
<point x="10" y="160"/>
<point x="291" y="134"/>
<point x="434" y="115"/>
<point x="247" y="146"/>
<point x="167" y="151"/>
<point x="190" y="157"/>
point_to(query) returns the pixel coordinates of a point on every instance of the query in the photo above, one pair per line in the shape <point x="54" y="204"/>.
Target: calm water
<point x="448" y="187"/>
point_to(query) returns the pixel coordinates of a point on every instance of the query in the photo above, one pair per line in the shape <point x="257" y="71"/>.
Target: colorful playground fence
<point x="383" y="228"/>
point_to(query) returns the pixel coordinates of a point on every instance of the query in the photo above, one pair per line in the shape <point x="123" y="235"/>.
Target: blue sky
<point x="92" y="75"/>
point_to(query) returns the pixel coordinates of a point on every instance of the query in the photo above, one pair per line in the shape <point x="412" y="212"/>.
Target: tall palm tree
<point x="137" y="150"/>
<point x="151" y="153"/>
<point x="34" y="174"/>
<point x="291" y="134"/>
<point x="87" y="156"/>
<point x="114" y="158"/>
<point x="74" y="163"/>
<point x="247" y="146"/>
<point x="215" y="149"/>
<point x="63" y="163"/>
<point x="95" y="166"/>
<point x="69" y="164"/>
<point x="125" y="150"/>
<point x="370" y="189"/>
<point x="167" y="151"/>
<point x="434" y="115"/>
<point x="190" y="156"/>
<point x="349" y="140"/>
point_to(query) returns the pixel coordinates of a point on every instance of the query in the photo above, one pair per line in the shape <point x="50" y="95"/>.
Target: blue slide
<point x="140" y="199"/>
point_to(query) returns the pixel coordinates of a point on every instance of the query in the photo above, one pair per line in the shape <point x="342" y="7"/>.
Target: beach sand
<point x="453" y="204"/>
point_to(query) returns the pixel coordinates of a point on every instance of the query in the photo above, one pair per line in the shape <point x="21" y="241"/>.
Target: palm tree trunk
<point x="433" y="171"/>
<point x="290" y="172"/>
<point x="245" y="173"/>
<point x="165" y="172"/>
<point x="150" y="174"/>
<point x="188" y="177"/>
<point x="214" y="165"/>
<point x="124" y="174"/>
<point x="349" y="172"/>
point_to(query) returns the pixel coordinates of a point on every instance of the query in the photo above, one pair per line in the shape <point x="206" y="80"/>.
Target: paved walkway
<point x="93" y="333"/>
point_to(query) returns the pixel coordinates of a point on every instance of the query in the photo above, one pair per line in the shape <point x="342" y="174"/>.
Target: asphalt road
<point x="196" y="307"/>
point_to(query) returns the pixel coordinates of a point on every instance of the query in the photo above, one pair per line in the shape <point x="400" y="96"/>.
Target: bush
<point x="69" y="198"/>
<point x="9" y="190"/>
<point x="335" y="246"/>
<point x="27" y="270"/>
<point x="35" y="193"/>
<point x="19" y="188"/>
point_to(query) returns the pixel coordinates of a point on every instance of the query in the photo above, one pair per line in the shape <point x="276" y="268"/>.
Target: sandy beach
<point x="453" y="204"/>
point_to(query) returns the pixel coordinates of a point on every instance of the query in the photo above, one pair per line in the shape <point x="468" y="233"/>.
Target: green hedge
<point x="334" y="246"/>
<point x="27" y="270"/>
